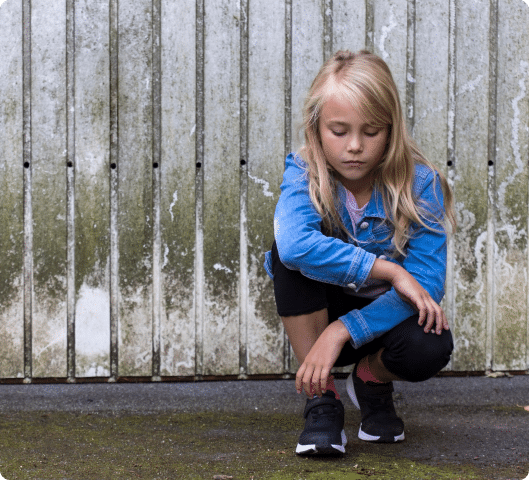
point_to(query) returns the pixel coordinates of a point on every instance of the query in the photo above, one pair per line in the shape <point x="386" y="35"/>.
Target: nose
<point x="355" y="144"/>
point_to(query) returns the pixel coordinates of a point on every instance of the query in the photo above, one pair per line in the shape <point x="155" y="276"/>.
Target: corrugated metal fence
<point x="141" y="153"/>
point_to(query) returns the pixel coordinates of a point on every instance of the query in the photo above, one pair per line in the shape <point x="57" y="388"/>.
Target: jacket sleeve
<point x="300" y="242"/>
<point x="425" y="260"/>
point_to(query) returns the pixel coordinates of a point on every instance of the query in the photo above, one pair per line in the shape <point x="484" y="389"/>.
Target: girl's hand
<point x="411" y="291"/>
<point x="315" y="370"/>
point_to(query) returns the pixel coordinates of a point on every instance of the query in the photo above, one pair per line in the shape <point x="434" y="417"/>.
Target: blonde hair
<point x="365" y="80"/>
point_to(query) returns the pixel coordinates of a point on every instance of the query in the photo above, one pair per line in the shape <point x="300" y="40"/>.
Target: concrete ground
<point x="456" y="427"/>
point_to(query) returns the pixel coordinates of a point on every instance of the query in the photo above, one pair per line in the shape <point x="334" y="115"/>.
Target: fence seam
<point x="114" y="179"/>
<point x="70" y="186"/>
<point x="199" y="192"/>
<point x="28" y="210"/>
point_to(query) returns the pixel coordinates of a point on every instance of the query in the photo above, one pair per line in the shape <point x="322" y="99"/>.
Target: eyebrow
<point x="338" y="122"/>
<point x="345" y="124"/>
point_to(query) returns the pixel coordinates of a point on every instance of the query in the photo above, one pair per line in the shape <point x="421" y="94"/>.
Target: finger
<point x="438" y="318"/>
<point x="430" y="318"/>
<point x="324" y="379"/>
<point x="446" y="324"/>
<point x="316" y="382"/>
<point x="307" y="380"/>
<point x="299" y="377"/>
<point x="440" y="321"/>
<point x="421" y="307"/>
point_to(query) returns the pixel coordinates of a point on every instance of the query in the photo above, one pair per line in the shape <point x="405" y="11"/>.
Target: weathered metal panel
<point x="11" y="194"/>
<point x="390" y="22"/>
<point x="470" y="186"/>
<point x="349" y="25"/>
<point x="178" y="188"/>
<point x="431" y="81"/>
<point x="48" y="166"/>
<point x="221" y="189"/>
<point x="266" y="149"/>
<point x="135" y="209"/>
<point x="147" y="250"/>
<point x="427" y="115"/>
<point x="92" y="190"/>
<point x="511" y="194"/>
<point x="307" y="57"/>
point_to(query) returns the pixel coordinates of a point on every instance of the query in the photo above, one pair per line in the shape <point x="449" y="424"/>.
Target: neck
<point x="362" y="192"/>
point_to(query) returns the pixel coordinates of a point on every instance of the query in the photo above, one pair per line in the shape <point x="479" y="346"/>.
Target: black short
<point x="408" y="353"/>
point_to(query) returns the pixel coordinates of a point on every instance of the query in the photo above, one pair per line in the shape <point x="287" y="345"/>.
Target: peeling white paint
<point x="264" y="183"/>
<point x="480" y="253"/>
<point x="515" y="144"/>
<point x="165" y="255"/>
<point x="173" y="203"/>
<point x="218" y="266"/>
<point x="385" y="33"/>
<point x="59" y="338"/>
<point x="92" y="313"/>
<point x="97" y="371"/>
<point x="470" y="86"/>
<point x="515" y="140"/>
<point x="427" y="112"/>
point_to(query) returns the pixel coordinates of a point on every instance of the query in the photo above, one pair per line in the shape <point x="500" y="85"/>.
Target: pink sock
<point x="332" y="388"/>
<point x="363" y="372"/>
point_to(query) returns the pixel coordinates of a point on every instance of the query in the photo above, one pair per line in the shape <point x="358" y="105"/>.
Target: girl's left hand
<point x="315" y="370"/>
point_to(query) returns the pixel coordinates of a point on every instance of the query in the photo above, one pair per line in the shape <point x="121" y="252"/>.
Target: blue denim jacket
<point x="302" y="246"/>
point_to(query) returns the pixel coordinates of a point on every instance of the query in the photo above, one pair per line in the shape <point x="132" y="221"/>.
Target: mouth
<point x="353" y="163"/>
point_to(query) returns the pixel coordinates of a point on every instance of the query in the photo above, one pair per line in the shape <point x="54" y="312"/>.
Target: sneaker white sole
<point x="349" y="385"/>
<point x="371" y="438"/>
<point x="313" y="449"/>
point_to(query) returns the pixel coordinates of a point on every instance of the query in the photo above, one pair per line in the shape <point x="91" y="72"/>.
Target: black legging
<point x="409" y="353"/>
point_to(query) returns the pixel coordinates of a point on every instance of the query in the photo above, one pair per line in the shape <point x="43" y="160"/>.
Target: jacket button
<point x="352" y="285"/>
<point x="364" y="225"/>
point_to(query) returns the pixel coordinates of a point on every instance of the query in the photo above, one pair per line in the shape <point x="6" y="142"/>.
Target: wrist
<point x="384" y="270"/>
<point x="339" y="332"/>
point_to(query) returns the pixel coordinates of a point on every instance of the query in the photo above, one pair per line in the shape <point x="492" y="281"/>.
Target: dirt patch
<point x="201" y="446"/>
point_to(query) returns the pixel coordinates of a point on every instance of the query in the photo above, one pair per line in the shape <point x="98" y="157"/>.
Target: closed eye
<point x="372" y="134"/>
<point x="338" y="134"/>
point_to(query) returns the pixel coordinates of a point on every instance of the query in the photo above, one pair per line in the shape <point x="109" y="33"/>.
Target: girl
<point x="359" y="257"/>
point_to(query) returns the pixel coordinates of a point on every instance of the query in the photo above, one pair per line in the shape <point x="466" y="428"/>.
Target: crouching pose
<point x="359" y="257"/>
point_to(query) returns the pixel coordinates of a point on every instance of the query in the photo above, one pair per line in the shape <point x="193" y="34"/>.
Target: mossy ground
<point x="191" y="446"/>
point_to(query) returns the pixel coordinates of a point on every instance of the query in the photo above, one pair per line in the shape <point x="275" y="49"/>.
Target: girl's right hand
<point x="411" y="291"/>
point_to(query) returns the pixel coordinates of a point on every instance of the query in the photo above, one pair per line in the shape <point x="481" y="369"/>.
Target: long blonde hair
<point x="365" y="80"/>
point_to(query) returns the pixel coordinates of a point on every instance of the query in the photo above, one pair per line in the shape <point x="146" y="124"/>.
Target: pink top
<point x="355" y="212"/>
<point x="372" y="288"/>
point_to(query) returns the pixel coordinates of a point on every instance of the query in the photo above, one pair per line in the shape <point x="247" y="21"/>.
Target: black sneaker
<point x="323" y="433"/>
<point x="375" y="400"/>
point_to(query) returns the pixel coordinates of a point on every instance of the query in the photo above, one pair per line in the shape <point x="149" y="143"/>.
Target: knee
<point x="417" y="356"/>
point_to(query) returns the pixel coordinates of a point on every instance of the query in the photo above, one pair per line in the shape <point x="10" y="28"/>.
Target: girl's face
<point x="351" y="146"/>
